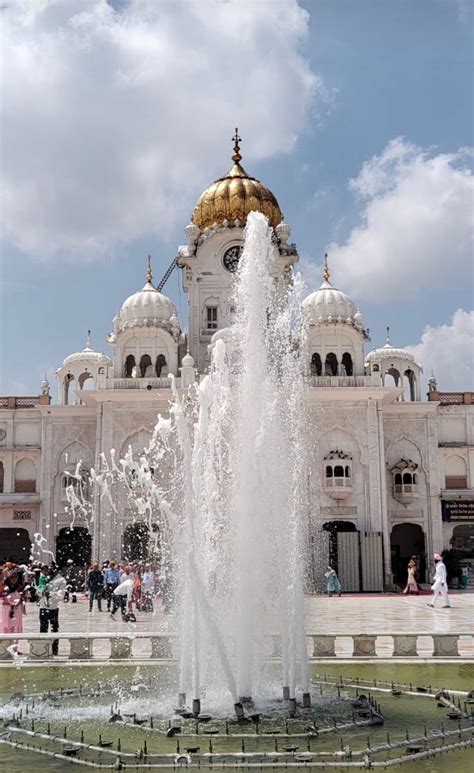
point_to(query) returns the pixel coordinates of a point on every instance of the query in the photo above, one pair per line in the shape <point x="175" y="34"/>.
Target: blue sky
<point x="114" y="119"/>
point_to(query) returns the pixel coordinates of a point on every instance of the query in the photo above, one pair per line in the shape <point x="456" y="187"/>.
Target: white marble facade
<point x="383" y="458"/>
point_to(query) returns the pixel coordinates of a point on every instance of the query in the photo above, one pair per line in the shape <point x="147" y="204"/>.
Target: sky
<point x="357" y="114"/>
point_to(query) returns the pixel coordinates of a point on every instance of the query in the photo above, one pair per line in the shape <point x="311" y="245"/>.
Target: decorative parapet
<point x="24" y="402"/>
<point x="451" y="398"/>
<point x="153" y="646"/>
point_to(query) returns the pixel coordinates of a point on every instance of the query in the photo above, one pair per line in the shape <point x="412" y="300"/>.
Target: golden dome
<point x="232" y="197"/>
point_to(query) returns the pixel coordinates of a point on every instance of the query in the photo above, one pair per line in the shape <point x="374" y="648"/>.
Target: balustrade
<point x="144" y="646"/>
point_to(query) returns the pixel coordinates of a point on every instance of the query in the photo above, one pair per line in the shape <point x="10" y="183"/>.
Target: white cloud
<point x="416" y="224"/>
<point x="113" y="118"/>
<point x="448" y="351"/>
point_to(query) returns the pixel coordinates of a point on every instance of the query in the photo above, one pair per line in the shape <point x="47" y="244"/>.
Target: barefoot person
<point x="122" y="596"/>
<point x="440" y="584"/>
<point x="412" y="585"/>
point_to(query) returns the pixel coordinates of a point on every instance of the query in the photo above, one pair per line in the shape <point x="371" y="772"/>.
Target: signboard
<point x="460" y="510"/>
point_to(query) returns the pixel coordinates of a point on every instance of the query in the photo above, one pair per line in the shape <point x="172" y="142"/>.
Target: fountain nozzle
<point x="181" y="699"/>
<point x="196" y="707"/>
<point x="239" y="710"/>
<point x="306" y="700"/>
<point x="292" y="707"/>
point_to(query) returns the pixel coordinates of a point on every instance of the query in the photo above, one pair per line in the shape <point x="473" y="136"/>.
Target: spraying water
<point x="224" y="476"/>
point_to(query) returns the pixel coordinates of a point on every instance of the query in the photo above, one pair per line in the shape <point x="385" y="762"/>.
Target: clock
<point x="231" y="258"/>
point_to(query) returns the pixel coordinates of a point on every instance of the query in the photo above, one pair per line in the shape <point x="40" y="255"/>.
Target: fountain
<point x="228" y="492"/>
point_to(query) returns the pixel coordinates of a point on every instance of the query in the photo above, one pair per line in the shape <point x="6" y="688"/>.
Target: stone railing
<point x="341" y="381"/>
<point x="164" y="646"/>
<point x="140" y="383"/>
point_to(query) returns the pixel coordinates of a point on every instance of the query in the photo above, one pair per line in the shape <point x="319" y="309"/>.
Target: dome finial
<point x="326" y="272"/>
<point x="88" y="340"/>
<point x="236" y="139"/>
<point x="149" y="273"/>
<point x="387" y="337"/>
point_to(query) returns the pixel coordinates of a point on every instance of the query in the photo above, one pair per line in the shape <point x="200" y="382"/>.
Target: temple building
<point x="392" y="470"/>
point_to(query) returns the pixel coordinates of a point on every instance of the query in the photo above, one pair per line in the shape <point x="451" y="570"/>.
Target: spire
<point x="149" y="273"/>
<point x="387" y="337"/>
<point x="88" y="340"/>
<point x="237" y="158"/>
<point x="326" y="272"/>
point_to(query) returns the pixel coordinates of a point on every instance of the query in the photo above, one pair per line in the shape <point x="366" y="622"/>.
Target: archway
<point x="15" y="545"/>
<point x="74" y="545"/>
<point x="407" y="540"/>
<point x="463" y="541"/>
<point x="160" y="364"/>
<point x="333" y="527"/>
<point x="135" y="542"/>
<point x="316" y="365"/>
<point x="347" y="364"/>
<point x="331" y="365"/>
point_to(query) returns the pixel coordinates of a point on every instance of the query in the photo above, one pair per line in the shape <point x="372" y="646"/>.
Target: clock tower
<point x="215" y="239"/>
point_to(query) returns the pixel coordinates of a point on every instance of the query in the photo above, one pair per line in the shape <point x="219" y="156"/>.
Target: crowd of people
<point x="123" y="588"/>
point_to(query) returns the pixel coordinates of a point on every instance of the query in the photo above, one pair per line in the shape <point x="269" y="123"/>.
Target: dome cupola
<point x="396" y="367"/>
<point x="231" y="198"/>
<point x="146" y="308"/>
<point x="329" y="305"/>
<point x="87" y="369"/>
<point x="335" y="332"/>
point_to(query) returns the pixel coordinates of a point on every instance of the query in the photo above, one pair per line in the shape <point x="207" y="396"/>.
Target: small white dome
<point x="188" y="361"/>
<point x="147" y="308"/>
<point x="328" y="304"/>
<point x="87" y="355"/>
<point x="389" y="352"/>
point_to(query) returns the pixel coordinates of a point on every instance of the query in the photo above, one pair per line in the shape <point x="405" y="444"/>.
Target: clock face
<point x="231" y="258"/>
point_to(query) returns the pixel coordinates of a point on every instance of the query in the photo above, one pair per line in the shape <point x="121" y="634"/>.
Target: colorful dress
<point x="12" y="612"/>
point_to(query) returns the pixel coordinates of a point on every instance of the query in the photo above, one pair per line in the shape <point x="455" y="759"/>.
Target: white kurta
<point x="440" y="584"/>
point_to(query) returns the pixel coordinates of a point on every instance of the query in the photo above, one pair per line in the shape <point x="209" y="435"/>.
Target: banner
<point x="461" y="510"/>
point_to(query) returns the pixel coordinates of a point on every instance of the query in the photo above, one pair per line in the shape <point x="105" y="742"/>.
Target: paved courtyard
<point x="345" y="616"/>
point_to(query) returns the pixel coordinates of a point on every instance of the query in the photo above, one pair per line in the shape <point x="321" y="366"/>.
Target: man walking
<point x="112" y="580"/>
<point x="440" y="584"/>
<point x="95" y="585"/>
<point x="49" y="604"/>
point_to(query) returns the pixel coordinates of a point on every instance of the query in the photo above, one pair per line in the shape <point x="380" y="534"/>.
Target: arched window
<point x="316" y="365"/>
<point x="68" y="378"/>
<point x="338" y="473"/>
<point x="405" y="480"/>
<point x="409" y="386"/>
<point x="2" y="476"/>
<point x="145" y="363"/>
<point x="392" y="376"/>
<point x="86" y="377"/>
<point x="160" y="364"/>
<point x="129" y="365"/>
<point x="456" y="473"/>
<point x="331" y="365"/>
<point x="347" y="364"/>
<point x="25" y="477"/>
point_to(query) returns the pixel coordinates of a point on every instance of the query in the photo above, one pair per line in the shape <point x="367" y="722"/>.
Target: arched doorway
<point x="407" y="540"/>
<point x="333" y="527"/>
<point x="135" y="542"/>
<point x="74" y="545"/>
<point x="15" y="545"/>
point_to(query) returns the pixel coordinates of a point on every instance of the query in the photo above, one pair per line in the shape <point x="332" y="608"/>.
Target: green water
<point x="412" y="713"/>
